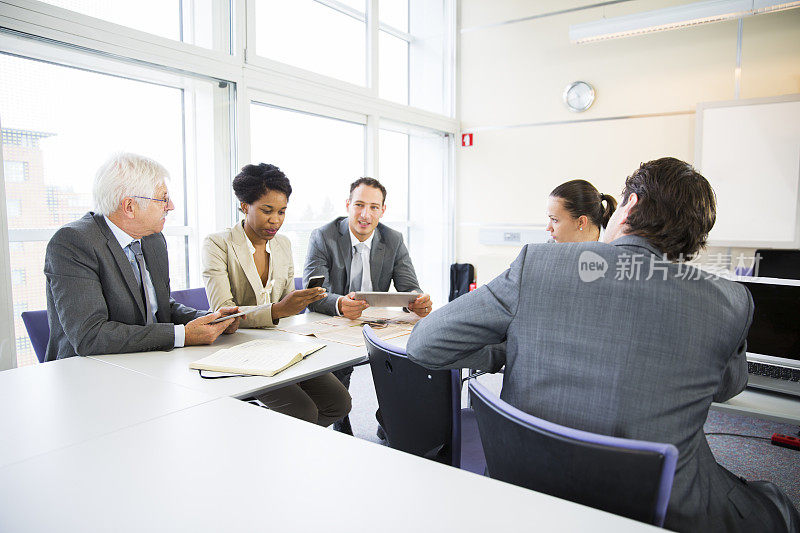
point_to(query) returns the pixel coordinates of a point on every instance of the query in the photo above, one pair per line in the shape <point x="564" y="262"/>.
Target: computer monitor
<point x="775" y="333"/>
<point x="784" y="264"/>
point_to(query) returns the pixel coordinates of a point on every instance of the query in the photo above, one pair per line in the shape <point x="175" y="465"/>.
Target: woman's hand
<point x="296" y="301"/>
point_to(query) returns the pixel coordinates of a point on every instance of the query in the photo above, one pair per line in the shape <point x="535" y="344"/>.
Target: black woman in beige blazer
<point x="230" y="274"/>
<point x="249" y="265"/>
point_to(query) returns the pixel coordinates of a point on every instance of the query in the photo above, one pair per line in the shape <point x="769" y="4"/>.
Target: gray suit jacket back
<point x="94" y="301"/>
<point x="330" y="254"/>
<point x="634" y="358"/>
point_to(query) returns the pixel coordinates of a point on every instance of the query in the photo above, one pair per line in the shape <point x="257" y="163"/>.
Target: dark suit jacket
<point x="94" y="302"/>
<point x="330" y="254"/>
<point x="638" y="359"/>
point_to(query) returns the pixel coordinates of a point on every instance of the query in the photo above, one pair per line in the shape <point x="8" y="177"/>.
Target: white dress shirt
<point x="265" y="289"/>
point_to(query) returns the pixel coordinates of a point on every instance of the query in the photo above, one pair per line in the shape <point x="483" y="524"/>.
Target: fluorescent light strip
<point x="673" y="18"/>
<point x="766" y="6"/>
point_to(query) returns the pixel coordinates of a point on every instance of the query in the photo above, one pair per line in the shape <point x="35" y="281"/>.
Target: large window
<point x="61" y="124"/>
<point x="203" y="23"/>
<point x="413" y="45"/>
<point x="314" y="36"/>
<point x="413" y="51"/>
<point x="321" y="156"/>
<point x="416" y="164"/>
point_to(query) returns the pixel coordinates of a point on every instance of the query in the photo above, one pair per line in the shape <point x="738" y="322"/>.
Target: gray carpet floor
<point x="748" y="454"/>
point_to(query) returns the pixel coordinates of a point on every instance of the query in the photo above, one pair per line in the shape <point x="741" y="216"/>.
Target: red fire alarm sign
<point x="466" y="139"/>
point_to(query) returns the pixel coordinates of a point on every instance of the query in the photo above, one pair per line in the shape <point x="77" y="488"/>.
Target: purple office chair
<point x="421" y="409"/>
<point x="38" y="331"/>
<point x="631" y="478"/>
<point x="195" y="298"/>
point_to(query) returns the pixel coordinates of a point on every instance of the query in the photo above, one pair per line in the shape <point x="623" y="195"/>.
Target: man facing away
<point x="108" y="272"/>
<point x="358" y="253"/>
<point x="637" y="349"/>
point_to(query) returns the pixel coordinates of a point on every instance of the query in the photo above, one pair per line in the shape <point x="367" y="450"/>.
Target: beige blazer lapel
<point x="245" y="259"/>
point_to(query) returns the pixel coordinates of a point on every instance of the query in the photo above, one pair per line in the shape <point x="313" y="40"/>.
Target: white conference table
<point x="47" y="407"/>
<point x="230" y="466"/>
<point x="173" y="366"/>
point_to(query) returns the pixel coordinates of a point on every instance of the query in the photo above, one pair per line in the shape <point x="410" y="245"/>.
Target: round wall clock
<point x="579" y="96"/>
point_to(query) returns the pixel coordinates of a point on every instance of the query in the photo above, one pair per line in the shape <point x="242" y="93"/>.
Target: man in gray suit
<point x="358" y="253"/>
<point x="618" y="339"/>
<point x="108" y="272"/>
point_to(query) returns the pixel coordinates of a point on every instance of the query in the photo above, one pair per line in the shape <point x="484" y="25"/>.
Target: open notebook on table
<point x="259" y="358"/>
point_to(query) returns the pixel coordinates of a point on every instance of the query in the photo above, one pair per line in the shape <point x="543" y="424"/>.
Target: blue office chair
<point x="195" y="298"/>
<point x="38" y="331"/>
<point x="631" y="478"/>
<point x="421" y="409"/>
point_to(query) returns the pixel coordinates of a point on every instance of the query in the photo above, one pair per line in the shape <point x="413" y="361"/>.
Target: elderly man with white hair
<point x="108" y="272"/>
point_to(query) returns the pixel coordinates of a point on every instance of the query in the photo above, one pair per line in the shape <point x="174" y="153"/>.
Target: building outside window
<point x="15" y="171"/>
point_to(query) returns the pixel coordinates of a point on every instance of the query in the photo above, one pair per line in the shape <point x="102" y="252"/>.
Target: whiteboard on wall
<point x="749" y="150"/>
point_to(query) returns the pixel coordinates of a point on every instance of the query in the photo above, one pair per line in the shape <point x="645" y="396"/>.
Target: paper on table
<point x="355" y="337"/>
<point x="390" y="314"/>
<point x="345" y="331"/>
<point x="310" y="328"/>
<point x="320" y="326"/>
<point x="259" y="357"/>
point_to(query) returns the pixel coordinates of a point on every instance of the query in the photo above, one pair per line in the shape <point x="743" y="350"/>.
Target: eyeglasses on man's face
<point x="166" y="199"/>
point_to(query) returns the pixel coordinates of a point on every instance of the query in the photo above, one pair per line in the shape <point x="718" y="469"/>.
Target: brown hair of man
<point x="369" y="182"/>
<point x="676" y="207"/>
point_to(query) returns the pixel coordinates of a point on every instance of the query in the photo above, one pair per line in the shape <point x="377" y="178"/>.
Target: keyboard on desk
<point x="773" y="377"/>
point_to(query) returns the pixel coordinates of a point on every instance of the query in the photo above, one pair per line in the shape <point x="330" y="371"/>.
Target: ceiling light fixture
<point x="672" y="18"/>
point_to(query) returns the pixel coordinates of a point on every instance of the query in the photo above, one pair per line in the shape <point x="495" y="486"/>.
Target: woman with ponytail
<point x="576" y="211"/>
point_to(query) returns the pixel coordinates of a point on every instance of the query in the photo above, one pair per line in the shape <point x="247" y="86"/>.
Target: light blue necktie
<point x="357" y="267"/>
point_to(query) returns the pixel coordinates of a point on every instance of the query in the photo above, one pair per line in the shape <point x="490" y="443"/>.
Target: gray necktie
<point x="136" y="248"/>
<point x="357" y="267"/>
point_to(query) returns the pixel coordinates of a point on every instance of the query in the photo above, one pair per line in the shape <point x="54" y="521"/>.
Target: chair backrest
<point x="38" y="331"/>
<point x="778" y="264"/>
<point x="195" y="298"/>
<point x="421" y="409"/>
<point x="630" y="478"/>
<point x="462" y="275"/>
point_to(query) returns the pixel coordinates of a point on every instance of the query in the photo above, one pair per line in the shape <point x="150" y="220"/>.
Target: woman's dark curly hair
<point x="254" y="181"/>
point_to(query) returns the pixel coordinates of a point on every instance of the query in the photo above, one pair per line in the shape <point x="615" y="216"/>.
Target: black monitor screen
<point x="776" y="320"/>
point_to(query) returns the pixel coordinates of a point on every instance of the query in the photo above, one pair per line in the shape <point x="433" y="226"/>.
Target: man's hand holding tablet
<point x="422" y="306"/>
<point x="350" y="307"/>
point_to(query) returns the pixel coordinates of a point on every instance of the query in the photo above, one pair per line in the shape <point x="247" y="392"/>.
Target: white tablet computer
<point x="387" y="299"/>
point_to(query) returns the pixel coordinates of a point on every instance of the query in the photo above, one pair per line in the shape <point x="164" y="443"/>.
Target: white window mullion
<point x="8" y="350"/>
<point x="371" y="152"/>
<point x="89" y="33"/>
<point x="373" y="57"/>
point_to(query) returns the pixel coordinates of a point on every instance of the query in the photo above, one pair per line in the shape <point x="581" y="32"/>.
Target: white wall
<point x="512" y="77"/>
